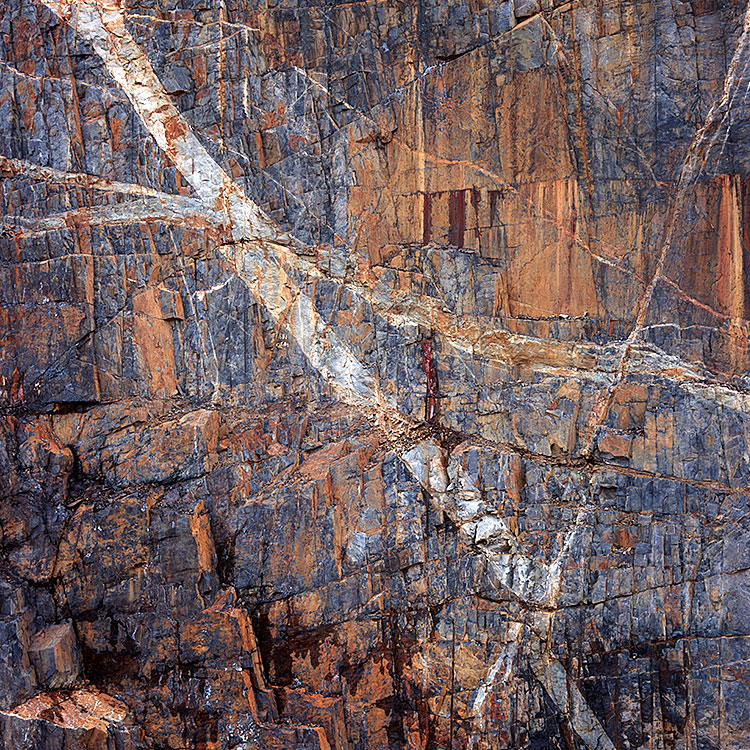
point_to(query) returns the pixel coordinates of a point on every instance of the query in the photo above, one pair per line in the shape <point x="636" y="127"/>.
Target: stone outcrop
<point x="83" y="718"/>
<point x="374" y="375"/>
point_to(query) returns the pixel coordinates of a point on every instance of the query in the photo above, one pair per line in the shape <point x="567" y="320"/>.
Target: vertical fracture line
<point x="222" y="98"/>
<point x="453" y="677"/>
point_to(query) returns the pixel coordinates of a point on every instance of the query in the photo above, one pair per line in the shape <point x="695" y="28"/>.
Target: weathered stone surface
<point x="55" y="656"/>
<point x="81" y="719"/>
<point x="374" y="375"/>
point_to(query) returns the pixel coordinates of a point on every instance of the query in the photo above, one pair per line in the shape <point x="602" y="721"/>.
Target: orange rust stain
<point x="623" y="537"/>
<point x="297" y="142"/>
<point x="174" y="128"/>
<point x="270" y="120"/>
<point x="115" y="127"/>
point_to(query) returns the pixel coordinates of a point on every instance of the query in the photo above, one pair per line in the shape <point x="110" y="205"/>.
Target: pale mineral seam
<point x="80" y="179"/>
<point x="257" y="253"/>
<point x="174" y="211"/>
<point x="531" y="581"/>
<point x="505" y="659"/>
<point x="692" y="167"/>
<point x="264" y="259"/>
<point x="103" y="25"/>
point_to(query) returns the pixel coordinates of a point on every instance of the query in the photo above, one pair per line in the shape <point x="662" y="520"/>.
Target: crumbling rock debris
<point x="374" y="375"/>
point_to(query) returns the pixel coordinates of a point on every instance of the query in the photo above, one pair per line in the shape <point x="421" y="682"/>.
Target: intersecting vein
<point x="692" y="167"/>
<point x="257" y="250"/>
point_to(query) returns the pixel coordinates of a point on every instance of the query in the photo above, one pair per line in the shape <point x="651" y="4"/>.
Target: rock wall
<point x="374" y="375"/>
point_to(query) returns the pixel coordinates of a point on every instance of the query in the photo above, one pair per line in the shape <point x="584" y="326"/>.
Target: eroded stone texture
<point x="374" y="375"/>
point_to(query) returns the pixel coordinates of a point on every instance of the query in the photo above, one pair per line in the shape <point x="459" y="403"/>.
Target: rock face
<point x="374" y="375"/>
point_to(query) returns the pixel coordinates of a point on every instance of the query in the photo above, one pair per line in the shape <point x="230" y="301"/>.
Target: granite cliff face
<point x="374" y="375"/>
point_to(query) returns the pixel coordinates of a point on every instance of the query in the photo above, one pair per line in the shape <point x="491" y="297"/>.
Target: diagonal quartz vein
<point x="535" y="584"/>
<point x="259" y="251"/>
<point x="102" y="23"/>
<point x="692" y="167"/>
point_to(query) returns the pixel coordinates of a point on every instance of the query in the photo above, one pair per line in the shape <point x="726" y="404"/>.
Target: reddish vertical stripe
<point x="457" y="217"/>
<point x="426" y="218"/>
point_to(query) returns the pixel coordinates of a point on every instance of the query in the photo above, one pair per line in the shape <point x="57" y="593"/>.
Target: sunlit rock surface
<point x="374" y="375"/>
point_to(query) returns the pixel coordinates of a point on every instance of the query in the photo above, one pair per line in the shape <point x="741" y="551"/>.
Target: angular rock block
<point x="56" y="657"/>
